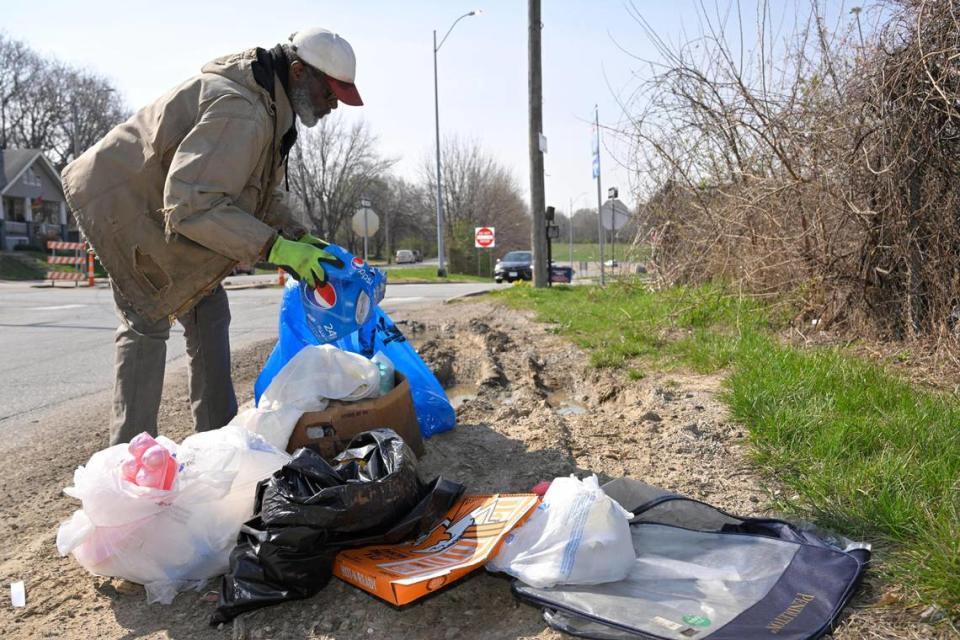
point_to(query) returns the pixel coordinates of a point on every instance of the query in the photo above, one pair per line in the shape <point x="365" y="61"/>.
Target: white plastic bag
<point x="578" y="535"/>
<point x="172" y="540"/>
<point x="319" y="373"/>
<point x="313" y="377"/>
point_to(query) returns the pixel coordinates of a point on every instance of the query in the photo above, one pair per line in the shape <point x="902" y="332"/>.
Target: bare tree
<point x="478" y="191"/>
<point x="92" y="107"/>
<point x="407" y="209"/>
<point x="332" y="167"/>
<point x="47" y="105"/>
<point x="823" y="161"/>
<point x="17" y="65"/>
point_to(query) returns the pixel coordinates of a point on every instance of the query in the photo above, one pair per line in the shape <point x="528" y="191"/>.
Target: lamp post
<point x="441" y="262"/>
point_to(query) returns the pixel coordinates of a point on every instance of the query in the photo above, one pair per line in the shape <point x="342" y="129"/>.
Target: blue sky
<point x="147" y="47"/>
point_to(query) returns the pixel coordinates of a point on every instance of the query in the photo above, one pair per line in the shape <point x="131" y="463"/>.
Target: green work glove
<point x="314" y="240"/>
<point x="302" y="260"/>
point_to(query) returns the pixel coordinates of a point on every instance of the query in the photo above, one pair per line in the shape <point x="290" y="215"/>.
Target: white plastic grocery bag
<point x="172" y="540"/>
<point x="313" y="377"/>
<point x="578" y="535"/>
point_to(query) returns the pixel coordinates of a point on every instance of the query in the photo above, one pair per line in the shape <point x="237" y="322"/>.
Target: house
<point x="32" y="206"/>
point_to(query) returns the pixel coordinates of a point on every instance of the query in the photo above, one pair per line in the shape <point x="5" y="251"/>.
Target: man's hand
<point x="315" y="241"/>
<point x="303" y="260"/>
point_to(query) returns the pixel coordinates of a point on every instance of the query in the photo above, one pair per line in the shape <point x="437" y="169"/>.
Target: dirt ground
<point x="529" y="408"/>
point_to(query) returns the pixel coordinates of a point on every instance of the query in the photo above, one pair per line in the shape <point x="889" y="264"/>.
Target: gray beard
<point x="303" y="106"/>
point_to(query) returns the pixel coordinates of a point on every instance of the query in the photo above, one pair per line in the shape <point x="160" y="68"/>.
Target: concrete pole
<point x="441" y="262"/>
<point x="603" y="275"/>
<point x="366" y="234"/>
<point x="386" y="234"/>
<point x="537" y="198"/>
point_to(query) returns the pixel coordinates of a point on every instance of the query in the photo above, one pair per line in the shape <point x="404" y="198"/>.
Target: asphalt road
<point x="57" y="343"/>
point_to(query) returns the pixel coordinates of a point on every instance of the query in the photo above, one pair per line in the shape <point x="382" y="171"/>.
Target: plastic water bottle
<point x="150" y="464"/>
<point x="345" y="301"/>
<point x="387" y="372"/>
<point x="140" y="444"/>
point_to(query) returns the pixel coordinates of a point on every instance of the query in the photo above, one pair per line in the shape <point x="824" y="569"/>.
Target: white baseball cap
<point x="327" y="52"/>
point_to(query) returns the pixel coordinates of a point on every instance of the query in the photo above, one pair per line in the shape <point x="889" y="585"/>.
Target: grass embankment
<point x="32" y="265"/>
<point x="15" y="268"/>
<point x="870" y="455"/>
<point x="425" y="275"/>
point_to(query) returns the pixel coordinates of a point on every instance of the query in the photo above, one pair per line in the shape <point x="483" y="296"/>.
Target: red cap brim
<point x="346" y="92"/>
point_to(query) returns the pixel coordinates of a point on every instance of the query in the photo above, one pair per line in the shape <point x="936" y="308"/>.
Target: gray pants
<point x="141" y="357"/>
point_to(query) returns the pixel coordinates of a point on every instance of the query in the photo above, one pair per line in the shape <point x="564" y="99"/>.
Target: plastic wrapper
<point x="309" y="510"/>
<point x="168" y="540"/>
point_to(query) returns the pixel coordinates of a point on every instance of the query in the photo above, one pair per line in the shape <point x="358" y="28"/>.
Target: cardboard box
<point x="471" y="533"/>
<point x="329" y="431"/>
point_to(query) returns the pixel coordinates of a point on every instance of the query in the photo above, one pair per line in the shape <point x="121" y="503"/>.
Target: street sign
<point x="484" y="237"/>
<point x="614" y="215"/>
<point x="365" y="228"/>
<point x="553" y="231"/>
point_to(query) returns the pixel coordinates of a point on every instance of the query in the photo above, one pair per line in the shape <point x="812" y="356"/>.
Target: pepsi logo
<point x="363" y="308"/>
<point x="358" y="263"/>
<point x="325" y="296"/>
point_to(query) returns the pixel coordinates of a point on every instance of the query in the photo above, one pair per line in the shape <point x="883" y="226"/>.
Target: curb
<point x="464" y="296"/>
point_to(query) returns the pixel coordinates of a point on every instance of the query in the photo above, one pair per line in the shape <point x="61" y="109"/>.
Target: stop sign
<point x="484" y="237"/>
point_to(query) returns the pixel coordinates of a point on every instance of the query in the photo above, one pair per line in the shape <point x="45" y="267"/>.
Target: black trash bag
<point x="309" y="510"/>
<point x="373" y="483"/>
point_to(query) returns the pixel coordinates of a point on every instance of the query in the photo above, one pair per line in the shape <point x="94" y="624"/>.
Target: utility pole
<point x="76" y="125"/>
<point x="386" y="234"/>
<point x="596" y="124"/>
<point x="537" y="198"/>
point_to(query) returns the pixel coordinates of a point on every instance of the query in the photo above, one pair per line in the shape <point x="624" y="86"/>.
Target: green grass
<point x="398" y="275"/>
<point x="590" y="252"/>
<point x="12" y="268"/>
<point x="32" y="265"/>
<point x="869" y="454"/>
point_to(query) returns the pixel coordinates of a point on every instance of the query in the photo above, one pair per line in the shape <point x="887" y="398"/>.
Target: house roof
<point x="13" y="162"/>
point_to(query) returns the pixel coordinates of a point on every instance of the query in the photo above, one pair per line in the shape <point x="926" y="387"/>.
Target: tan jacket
<point x="175" y="196"/>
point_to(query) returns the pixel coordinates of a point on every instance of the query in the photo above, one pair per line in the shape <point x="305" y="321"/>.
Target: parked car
<point x="516" y="265"/>
<point x="417" y="256"/>
<point x="405" y="256"/>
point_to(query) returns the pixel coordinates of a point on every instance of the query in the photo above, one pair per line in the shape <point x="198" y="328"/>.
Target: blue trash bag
<point x="435" y="414"/>
<point x="379" y="333"/>
<point x="321" y="315"/>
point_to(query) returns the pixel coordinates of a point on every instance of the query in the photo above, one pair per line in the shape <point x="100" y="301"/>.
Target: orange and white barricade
<point x="81" y="255"/>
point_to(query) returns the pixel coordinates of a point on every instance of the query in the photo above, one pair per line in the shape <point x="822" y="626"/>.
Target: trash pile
<point x="695" y="572"/>
<point x="309" y="510"/>
<point x="171" y="539"/>
<point x="321" y="479"/>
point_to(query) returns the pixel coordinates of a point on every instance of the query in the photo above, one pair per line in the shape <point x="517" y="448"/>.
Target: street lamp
<point x="441" y="263"/>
